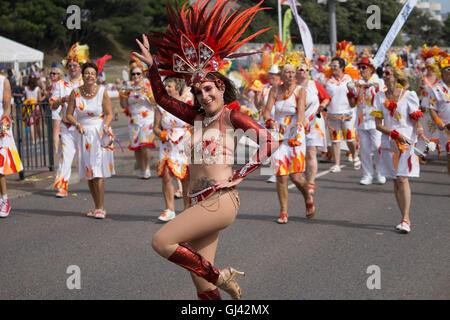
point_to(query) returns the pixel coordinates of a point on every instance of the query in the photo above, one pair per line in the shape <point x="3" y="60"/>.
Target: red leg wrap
<point x="209" y="295"/>
<point x="187" y="258"/>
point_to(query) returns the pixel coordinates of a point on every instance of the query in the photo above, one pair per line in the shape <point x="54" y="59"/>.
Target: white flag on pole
<point x="304" y="31"/>
<point x="393" y="32"/>
<point x="286" y="2"/>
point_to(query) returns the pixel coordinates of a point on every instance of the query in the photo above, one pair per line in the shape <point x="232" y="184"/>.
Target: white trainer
<point x="100" y="214"/>
<point x="365" y="181"/>
<point x="5" y="208"/>
<point x="167" y="215"/>
<point x="272" y="179"/>
<point x="403" y="227"/>
<point x="381" y="179"/>
<point x="335" y="169"/>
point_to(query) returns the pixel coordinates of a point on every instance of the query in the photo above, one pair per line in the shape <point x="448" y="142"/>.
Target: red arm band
<point x="258" y="134"/>
<point x="394" y="134"/>
<point x="176" y="107"/>
<point x="416" y="115"/>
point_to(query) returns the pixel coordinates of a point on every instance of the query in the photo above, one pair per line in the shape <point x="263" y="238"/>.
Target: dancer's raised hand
<point x="145" y="54"/>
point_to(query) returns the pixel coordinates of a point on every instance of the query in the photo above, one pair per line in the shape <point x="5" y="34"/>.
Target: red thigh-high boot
<point x="209" y="295"/>
<point x="191" y="260"/>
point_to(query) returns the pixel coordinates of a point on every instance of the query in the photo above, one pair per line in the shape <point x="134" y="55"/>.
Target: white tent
<point x="15" y="53"/>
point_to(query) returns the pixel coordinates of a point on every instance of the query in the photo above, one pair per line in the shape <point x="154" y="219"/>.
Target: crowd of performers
<point x="299" y="108"/>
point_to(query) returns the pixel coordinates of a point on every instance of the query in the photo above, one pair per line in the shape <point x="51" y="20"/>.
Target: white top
<point x="440" y="101"/>
<point x="368" y="90"/>
<point x="286" y="115"/>
<point x="337" y="89"/>
<point x="400" y="120"/>
<point x="31" y="94"/>
<point x="312" y="101"/>
<point x="64" y="89"/>
<point x="89" y="111"/>
<point x="141" y="111"/>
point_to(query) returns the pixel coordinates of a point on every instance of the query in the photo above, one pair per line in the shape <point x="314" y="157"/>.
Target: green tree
<point x="446" y="32"/>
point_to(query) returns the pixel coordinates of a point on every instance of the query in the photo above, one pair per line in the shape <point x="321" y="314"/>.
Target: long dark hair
<point x="231" y="93"/>
<point x="32" y="82"/>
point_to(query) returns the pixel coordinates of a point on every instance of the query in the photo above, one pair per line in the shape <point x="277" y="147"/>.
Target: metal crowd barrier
<point x="33" y="136"/>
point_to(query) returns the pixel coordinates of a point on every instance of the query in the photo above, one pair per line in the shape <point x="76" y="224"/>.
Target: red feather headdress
<point x="199" y="39"/>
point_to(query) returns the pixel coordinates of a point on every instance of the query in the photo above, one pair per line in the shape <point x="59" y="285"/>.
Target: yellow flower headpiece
<point x="295" y="58"/>
<point x="445" y="62"/>
<point x="77" y="53"/>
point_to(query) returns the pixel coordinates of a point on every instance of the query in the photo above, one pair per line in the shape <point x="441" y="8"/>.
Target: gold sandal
<point x="228" y="284"/>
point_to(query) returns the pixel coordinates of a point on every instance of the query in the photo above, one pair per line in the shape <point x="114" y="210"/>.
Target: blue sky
<point x="445" y="5"/>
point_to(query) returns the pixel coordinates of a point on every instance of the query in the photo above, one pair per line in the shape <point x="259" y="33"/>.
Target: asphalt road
<point x="332" y="256"/>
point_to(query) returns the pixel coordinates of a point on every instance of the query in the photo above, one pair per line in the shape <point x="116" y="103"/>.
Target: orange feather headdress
<point x="345" y="50"/>
<point x="200" y="38"/>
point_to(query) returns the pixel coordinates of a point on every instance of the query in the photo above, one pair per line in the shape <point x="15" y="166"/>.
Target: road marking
<point x="320" y="174"/>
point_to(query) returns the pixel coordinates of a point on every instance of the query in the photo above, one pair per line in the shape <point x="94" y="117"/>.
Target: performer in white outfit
<point x="341" y="116"/>
<point x="77" y="55"/>
<point x="440" y="108"/>
<point x="56" y="77"/>
<point x="9" y="157"/>
<point x="315" y="135"/>
<point x="363" y="95"/>
<point x="138" y="102"/>
<point x="173" y="160"/>
<point x="431" y="75"/>
<point x="94" y="138"/>
<point x="288" y="160"/>
<point x="397" y="112"/>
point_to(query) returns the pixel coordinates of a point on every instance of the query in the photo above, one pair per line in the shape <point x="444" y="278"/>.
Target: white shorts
<point x="342" y="129"/>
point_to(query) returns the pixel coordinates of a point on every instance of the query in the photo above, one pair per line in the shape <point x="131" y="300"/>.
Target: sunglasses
<point x="362" y="67"/>
<point x="136" y="74"/>
<point x="70" y="65"/>
<point x="334" y="66"/>
<point x="53" y="73"/>
<point x="387" y="73"/>
<point x="301" y="69"/>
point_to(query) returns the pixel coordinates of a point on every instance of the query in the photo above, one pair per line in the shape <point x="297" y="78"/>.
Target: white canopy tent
<point x="15" y="53"/>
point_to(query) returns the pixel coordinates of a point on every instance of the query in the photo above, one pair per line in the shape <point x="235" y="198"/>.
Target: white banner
<point x="285" y="2"/>
<point x="304" y="31"/>
<point x="393" y="32"/>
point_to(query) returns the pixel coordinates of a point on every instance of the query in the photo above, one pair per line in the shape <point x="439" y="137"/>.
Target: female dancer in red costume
<point x="194" y="46"/>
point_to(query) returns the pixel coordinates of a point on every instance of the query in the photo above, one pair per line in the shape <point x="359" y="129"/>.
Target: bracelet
<point x="438" y="121"/>
<point x="394" y="134"/>
<point x="267" y="122"/>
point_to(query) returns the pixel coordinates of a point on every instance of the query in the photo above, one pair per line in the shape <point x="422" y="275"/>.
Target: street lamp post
<point x="332" y="12"/>
<point x="333" y="35"/>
